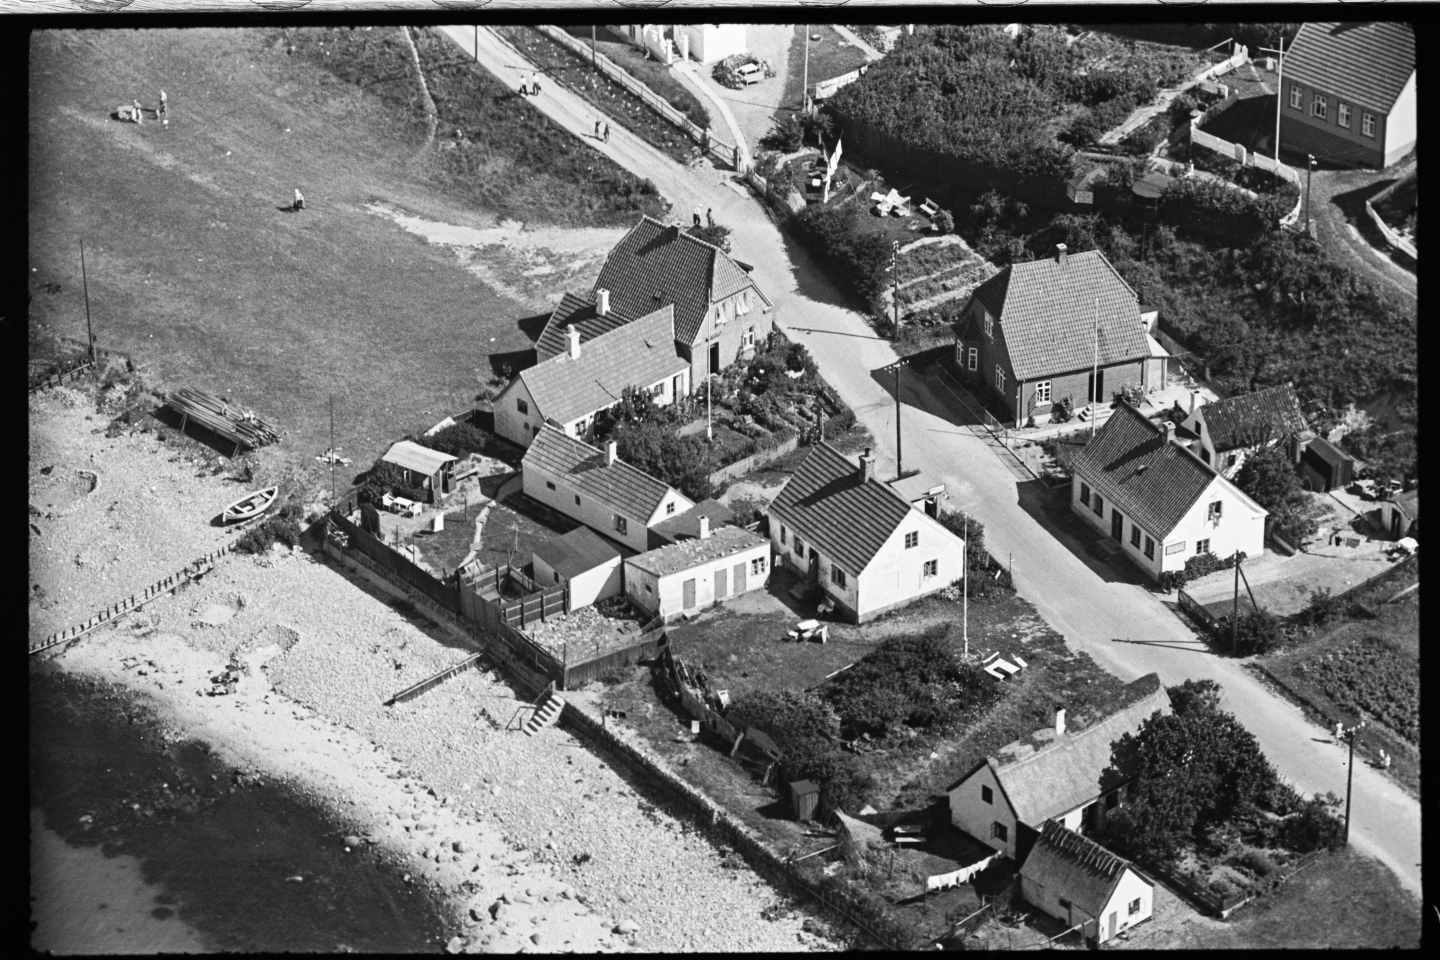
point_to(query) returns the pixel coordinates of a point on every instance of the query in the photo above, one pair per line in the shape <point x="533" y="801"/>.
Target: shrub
<point x="786" y="135"/>
<point x="282" y="527"/>
<point x="912" y="680"/>
<point x="1207" y="563"/>
<point x="1255" y="632"/>
<point x="1314" y="826"/>
<point x="1172" y="580"/>
<point x="1257" y="862"/>
<point x="458" y="439"/>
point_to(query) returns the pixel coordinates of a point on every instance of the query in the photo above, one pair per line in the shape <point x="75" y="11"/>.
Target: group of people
<point x="709" y="217"/>
<point x="530" y="86"/>
<point x="162" y="112"/>
<point x="1341" y="734"/>
<point x="602" y="130"/>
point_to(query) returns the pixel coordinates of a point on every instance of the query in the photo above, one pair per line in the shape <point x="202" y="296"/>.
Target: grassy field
<point x="194" y="269"/>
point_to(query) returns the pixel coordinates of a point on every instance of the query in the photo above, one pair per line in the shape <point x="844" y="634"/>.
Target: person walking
<point x="710" y="217"/>
<point x="607" y="133"/>
<point x="299" y="203"/>
<point x="695" y="215"/>
<point x="597" y="128"/>
<point x="535" y="85"/>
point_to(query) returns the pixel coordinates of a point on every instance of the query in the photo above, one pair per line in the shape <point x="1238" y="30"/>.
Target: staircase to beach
<point x="545" y="716"/>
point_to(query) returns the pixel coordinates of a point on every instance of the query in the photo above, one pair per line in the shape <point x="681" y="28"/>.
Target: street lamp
<point x="1309" y="169"/>
<point x="1352" y="734"/>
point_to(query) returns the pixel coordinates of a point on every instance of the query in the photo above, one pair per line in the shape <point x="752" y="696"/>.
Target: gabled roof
<point x="688" y="554"/>
<point x="1149" y="479"/>
<point x="1250" y="419"/>
<point x="412" y="456"/>
<point x="1364" y="63"/>
<point x="574" y="553"/>
<point x="624" y="489"/>
<point x="1064" y="773"/>
<point x="1047" y="313"/>
<point x="655" y="264"/>
<point x="577" y="309"/>
<point x="686" y="525"/>
<point x="1074" y="867"/>
<point x="826" y="502"/>
<point x="636" y="354"/>
<point x="1408" y="503"/>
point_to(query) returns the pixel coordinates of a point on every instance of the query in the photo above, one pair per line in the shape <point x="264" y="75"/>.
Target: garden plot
<point x="584" y="634"/>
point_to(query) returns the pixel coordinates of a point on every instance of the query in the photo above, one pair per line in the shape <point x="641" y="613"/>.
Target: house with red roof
<point x="1138" y="484"/>
<point x="861" y="541"/>
<point x="1053" y="774"/>
<point x="719" y="312"/>
<point x="1062" y="328"/>
<point x="1349" y="92"/>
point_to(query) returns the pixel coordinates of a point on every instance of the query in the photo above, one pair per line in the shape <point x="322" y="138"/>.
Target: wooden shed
<point x="1324" y="466"/>
<point x="425" y="471"/>
<point x="804" y="798"/>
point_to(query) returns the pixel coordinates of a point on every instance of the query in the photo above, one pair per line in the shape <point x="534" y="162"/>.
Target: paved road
<point x="1091" y="608"/>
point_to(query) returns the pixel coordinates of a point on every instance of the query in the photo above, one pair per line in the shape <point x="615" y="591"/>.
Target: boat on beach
<point x="249" y="506"/>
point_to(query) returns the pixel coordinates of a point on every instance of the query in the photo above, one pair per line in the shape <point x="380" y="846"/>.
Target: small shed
<point x="1080" y="883"/>
<point x="1400" y="515"/>
<point x="691" y="575"/>
<point x="583" y="562"/>
<point x="1324" y="466"/>
<point x="804" y="798"/>
<point x="423" y="470"/>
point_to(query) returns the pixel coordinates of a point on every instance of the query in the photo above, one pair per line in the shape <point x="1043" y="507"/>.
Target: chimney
<point x="1060" y="721"/>
<point x="610" y="456"/>
<point x="1193" y="395"/>
<point x="704" y="527"/>
<point x="1169" y="427"/>
<point x="867" y="466"/>
<point x="574" y="336"/>
<point x="602" y="302"/>
<point x="1060" y="254"/>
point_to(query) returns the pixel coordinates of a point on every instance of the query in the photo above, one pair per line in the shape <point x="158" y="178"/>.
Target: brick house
<point x="568" y="388"/>
<point x="1224" y="432"/>
<point x="866" y="546"/>
<point x="1031" y="336"/>
<point x="1136" y="482"/>
<point x="1349" y="92"/>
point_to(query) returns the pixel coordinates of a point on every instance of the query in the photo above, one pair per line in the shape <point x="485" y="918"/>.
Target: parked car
<point x="751" y="73"/>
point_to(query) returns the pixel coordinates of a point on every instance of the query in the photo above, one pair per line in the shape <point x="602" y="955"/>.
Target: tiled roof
<point x="1047" y="314"/>
<point x="1074" y="867"/>
<point x="634" y="355"/>
<point x="1364" y="63"/>
<point x="1251" y="419"/>
<point x="655" y="264"/>
<point x="627" y="490"/>
<point x="579" y="310"/>
<point x="1065" y="773"/>
<point x="826" y="503"/>
<point x="1150" y="480"/>
<point x="685" y="525"/>
<point x="412" y="456"/>
<point x="687" y="554"/>
<point x="575" y="552"/>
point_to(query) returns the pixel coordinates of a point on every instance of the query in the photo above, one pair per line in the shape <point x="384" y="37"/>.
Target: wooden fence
<point x="534" y="606"/>
<point x="758" y="458"/>
<point x="713" y="145"/>
<point x="579" y="672"/>
<point x="827" y="88"/>
<point x="1196" y="611"/>
<point x="1391" y="236"/>
<point x="443" y="592"/>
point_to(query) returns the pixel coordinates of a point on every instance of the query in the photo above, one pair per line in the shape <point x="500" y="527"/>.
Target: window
<point x="932" y="567"/>
<point x="987" y="794"/>
<point x="748" y="340"/>
<point x="783" y="533"/>
<point x="1342" y="115"/>
<point x="649" y="589"/>
<point x="1134" y="906"/>
<point x="577" y="499"/>
<point x="669" y="508"/>
<point x="1296" y="97"/>
<point x="1134" y="536"/>
<point x="989" y="325"/>
<point x="521" y="405"/>
<point x="1112" y="799"/>
<point x="1098" y="505"/>
<point x="556" y="576"/>
<point x="1212" y="513"/>
<point x="621" y="524"/>
<point x="912" y="538"/>
<point x="1367" y="124"/>
<point x="1202" y="546"/>
<point x="549" y="485"/>
<point x="535" y="431"/>
<point x="1319" y="107"/>
<point x="1230" y="460"/>
<point x="999" y="378"/>
<point x="837" y="576"/>
<point x="999" y="831"/>
<point x="972" y="358"/>
<point x="742" y="305"/>
<point x="1149" y="548"/>
<point x="1042" y="392"/>
<point x="580" y="428"/>
<point x="799" y="547"/>
<point x="1085" y="493"/>
<point x="757" y="567"/>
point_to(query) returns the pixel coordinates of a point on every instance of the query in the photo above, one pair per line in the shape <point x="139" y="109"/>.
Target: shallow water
<point x="142" y="842"/>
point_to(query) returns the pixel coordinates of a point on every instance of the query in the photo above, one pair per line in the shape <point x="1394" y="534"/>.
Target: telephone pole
<point x="1235" y="608"/>
<point x="1353" y="734"/>
<point x="805" y="74"/>
<point x="85" y="282"/>
<point x="1279" y="91"/>
<point x="1095" y="370"/>
<point x="593" y="65"/>
<point x="965" y="589"/>
<point x="330" y="454"/>
<point x="898" y="468"/>
<point x="895" y="286"/>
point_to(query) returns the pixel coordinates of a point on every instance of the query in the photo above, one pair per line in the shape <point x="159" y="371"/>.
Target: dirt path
<point x="1335" y="217"/>
<point x="1092" y="610"/>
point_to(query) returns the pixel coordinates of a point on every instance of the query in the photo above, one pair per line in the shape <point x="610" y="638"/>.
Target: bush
<point x="786" y="135"/>
<point x="458" y="439"/>
<point x="1257" y="862"/>
<point x="282" y="527"/>
<point x="1207" y="563"/>
<point x="1314" y="826"/>
<point x="1255" y="632"/>
<point x="1172" y="580"/>
<point x="911" y="680"/>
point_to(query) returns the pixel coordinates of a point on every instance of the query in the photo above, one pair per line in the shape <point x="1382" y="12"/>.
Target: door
<point x="740" y="577"/>
<point x="720" y="578"/>
<point x="1395" y="524"/>
<point x="1111" y="935"/>
<point x="1097" y="386"/>
<point x="687" y="595"/>
<point x="715" y="357"/>
<point x="1117" y="524"/>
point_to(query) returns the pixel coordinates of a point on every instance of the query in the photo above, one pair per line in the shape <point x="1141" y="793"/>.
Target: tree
<point x="1268" y="477"/>
<point x="1194" y="695"/>
<point x="786" y="135"/>
<point x="945" y="221"/>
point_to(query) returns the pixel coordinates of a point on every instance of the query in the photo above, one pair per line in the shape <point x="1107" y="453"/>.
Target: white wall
<point x="592" y="513"/>
<point x="1241" y="527"/>
<point x="969" y="811"/>
<point x="510" y="423"/>
<point x="896" y="574"/>
<point x="668" y="595"/>
<point x="1131" y="887"/>
<point x="1400" y="126"/>
<point x="710" y="42"/>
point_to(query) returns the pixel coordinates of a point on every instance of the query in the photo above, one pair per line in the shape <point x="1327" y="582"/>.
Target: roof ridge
<point x="1071" y="738"/>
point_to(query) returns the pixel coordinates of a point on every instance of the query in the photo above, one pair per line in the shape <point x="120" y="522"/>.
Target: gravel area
<point x="583" y="634"/>
<point x="535" y="842"/>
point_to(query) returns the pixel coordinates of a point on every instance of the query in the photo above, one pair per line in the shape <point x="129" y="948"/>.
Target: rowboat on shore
<point x="250" y="505"/>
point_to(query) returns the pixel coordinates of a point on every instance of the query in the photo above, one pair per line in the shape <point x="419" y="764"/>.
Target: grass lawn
<point x="515" y="526"/>
<point x="654" y="74"/>
<point x="830" y="56"/>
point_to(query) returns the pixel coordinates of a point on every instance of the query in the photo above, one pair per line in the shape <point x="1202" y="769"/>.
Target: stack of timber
<point x="235" y="423"/>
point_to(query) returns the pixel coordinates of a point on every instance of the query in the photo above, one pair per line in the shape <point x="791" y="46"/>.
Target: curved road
<point x="1090" y="610"/>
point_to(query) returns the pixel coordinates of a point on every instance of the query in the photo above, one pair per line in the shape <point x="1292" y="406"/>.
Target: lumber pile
<point x="229" y="420"/>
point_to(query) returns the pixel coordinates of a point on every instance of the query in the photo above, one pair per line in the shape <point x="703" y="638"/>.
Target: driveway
<point x="1119" y="623"/>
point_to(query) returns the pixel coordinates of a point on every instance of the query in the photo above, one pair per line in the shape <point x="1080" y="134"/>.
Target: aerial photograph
<point x="540" y="485"/>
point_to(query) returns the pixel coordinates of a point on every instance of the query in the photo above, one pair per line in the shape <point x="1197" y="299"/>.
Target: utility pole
<point x="593" y="65"/>
<point x="895" y="285"/>
<point x="709" y="372"/>
<point x="477" y="43"/>
<point x="965" y="590"/>
<point x="1095" y="369"/>
<point x="330" y="454"/>
<point x="1353" y="733"/>
<point x="1279" y="91"/>
<point x="1309" y="169"/>
<point x="898" y="468"/>
<point x="1235" y="608"/>
<point x="85" y="281"/>
<point x="805" y="74"/>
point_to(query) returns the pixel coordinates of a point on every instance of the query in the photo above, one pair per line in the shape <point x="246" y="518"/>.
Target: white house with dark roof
<point x="690" y="575"/>
<point x="1349" y="92"/>
<point x="1033" y="334"/>
<point x="569" y="388"/>
<point x="866" y="546"/>
<point x="1225" y="431"/>
<point x="583" y="562"/>
<point x="1079" y="882"/>
<point x="1135" y="482"/>
<point x="597" y="488"/>
<point x="1054" y="774"/>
